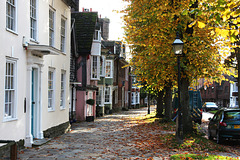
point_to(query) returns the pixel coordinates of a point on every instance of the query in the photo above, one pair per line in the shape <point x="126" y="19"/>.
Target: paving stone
<point x="107" y="138"/>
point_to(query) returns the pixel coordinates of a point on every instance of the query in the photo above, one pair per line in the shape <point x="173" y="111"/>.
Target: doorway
<point x="35" y="104"/>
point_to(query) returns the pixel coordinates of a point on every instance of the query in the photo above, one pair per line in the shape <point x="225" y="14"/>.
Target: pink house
<point x="85" y="65"/>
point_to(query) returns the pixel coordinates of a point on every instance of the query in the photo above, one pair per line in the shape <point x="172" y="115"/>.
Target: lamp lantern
<point x="177" y="46"/>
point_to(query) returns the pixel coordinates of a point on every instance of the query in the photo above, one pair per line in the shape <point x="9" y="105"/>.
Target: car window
<point x="232" y="115"/>
<point x="217" y="116"/>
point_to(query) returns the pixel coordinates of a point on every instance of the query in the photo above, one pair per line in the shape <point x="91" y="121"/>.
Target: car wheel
<point x="210" y="135"/>
<point x="219" y="138"/>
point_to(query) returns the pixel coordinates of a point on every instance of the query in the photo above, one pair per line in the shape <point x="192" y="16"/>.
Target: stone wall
<point x="8" y="149"/>
<point x="57" y="130"/>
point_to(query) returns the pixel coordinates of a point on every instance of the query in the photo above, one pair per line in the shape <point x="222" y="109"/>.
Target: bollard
<point x="13" y="151"/>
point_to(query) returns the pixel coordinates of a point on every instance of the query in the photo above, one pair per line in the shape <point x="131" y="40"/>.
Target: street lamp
<point x="178" y="50"/>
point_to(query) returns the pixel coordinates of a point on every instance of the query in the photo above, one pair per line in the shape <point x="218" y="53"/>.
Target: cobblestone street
<point x="108" y="137"/>
<point x="120" y="136"/>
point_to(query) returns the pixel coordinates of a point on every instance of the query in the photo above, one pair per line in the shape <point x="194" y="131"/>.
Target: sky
<point x="105" y="9"/>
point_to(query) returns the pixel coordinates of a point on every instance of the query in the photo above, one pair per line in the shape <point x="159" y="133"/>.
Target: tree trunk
<point x="160" y="104"/>
<point x="186" y="114"/>
<point x="168" y="102"/>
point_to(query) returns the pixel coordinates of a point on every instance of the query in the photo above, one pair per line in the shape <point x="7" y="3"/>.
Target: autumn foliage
<point x="207" y="27"/>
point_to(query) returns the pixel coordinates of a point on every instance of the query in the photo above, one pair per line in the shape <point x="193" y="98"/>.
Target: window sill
<point x="34" y="41"/>
<point x="11" y="31"/>
<point x="51" y="110"/>
<point x="64" y="53"/>
<point x="95" y="79"/>
<point x="96" y="40"/>
<point x="9" y="119"/>
<point x="62" y="108"/>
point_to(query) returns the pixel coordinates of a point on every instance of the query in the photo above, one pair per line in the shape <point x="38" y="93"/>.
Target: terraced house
<point x="85" y="64"/>
<point x="34" y="68"/>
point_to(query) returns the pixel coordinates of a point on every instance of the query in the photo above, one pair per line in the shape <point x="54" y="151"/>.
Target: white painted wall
<point x="11" y="45"/>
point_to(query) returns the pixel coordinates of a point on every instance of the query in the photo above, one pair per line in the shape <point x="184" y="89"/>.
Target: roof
<point x="73" y="3"/>
<point x="85" y="25"/>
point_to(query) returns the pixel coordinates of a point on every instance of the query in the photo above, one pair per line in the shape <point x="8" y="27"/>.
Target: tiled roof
<point x="85" y="25"/>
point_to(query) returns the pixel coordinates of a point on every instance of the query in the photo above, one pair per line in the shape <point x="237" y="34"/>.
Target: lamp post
<point x="177" y="48"/>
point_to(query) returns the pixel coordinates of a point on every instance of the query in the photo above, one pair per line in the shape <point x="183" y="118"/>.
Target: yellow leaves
<point x="192" y="24"/>
<point x="223" y="32"/>
<point x="201" y="24"/>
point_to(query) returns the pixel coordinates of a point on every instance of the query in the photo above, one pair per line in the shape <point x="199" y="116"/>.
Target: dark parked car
<point x="225" y="124"/>
<point x="209" y="106"/>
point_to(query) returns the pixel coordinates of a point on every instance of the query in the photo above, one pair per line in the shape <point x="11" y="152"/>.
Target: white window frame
<point x="96" y="36"/>
<point x="63" y="90"/>
<point x="63" y="34"/>
<point x="137" y="97"/>
<point x="33" y="20"/>
<point x="11" y="18"/>
<point x="109" y="71"/>
<point x="51" y="27"/>
<point x="51" y="90"/>
<point x="99" y="96"/>
<point x="102" y="66"/>
<point x="133" y="102"/>
<point x="10" y="102"/>
<point x="95" y="68"/>
<point x="107" y="95"/>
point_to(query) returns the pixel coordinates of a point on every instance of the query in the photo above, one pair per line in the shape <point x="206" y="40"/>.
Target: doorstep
<point x="39" y="142"/>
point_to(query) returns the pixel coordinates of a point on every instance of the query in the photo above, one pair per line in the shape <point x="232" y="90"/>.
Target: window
<point x="102" y="66"/>
<point x="33" y="19"/>
<point x="109" y="69"/>
<point x="133" y="98"/>
<point x="63" y="34"/>
<point x="63" y="90"/>
<point x="51" y="27"/>
<point x="10" y="90"/>
<point x="137" y="98"/>
<point x="96" y="35"/>
<point x="51" y="89"/>
<point x="95" y="64"/>
<point x="11" y="15"/>
<point x="107" y="95"/>
<point x="99" y="95"/>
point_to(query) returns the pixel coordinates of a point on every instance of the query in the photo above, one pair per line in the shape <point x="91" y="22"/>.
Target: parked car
<point x="209" y="106"/>
<point x="225" y="124"/>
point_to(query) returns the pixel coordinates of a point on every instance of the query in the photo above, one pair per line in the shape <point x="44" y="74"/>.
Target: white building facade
<point x="34" y="68"/>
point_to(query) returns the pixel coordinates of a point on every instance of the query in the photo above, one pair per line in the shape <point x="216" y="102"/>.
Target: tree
<point x="151" y="26"/>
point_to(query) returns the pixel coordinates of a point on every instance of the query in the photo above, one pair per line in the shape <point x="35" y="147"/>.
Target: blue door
<point x="32" y="107"/>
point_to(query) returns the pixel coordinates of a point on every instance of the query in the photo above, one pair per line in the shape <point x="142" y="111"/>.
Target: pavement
<point x="112" y="137"/>
<point x="109" y="137"/>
